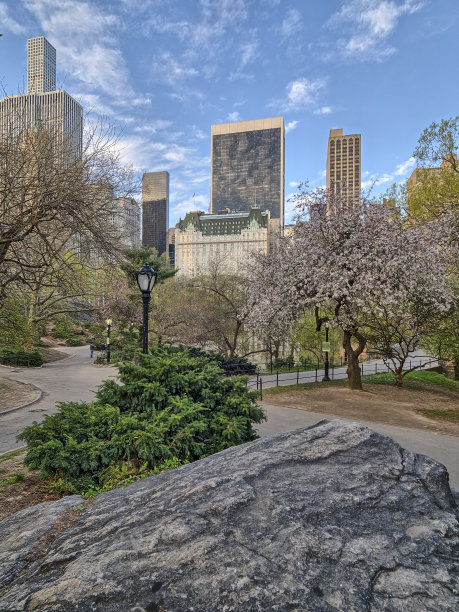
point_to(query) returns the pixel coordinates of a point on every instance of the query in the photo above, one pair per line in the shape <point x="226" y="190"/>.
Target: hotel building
<point x="227" y="238"/>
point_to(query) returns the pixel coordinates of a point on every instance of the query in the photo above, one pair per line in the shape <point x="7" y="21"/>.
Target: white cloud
<point x="248" y="53"/>
<point x="8" y="23"/>
<point x="294" y="184"/>
<point x="405" y="167"/>
<point x="85" y="34"/>
<point x="323" y="110"/>
<point x="370" y="23"/>
<point x="291" y="24"/>
<point x="189" y="204"/>
<point x="153" y="126"/>
<point x="233" y="116"/>
<point x="291" y="125"/>
<point x="374" y="180"/>
<point x="301" y="93"/>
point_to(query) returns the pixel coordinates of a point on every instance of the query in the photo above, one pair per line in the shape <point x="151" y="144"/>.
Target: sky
<point x="163" y="71"/>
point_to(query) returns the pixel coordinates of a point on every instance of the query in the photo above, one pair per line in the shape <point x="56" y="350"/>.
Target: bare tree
<point x="53" y="200"/>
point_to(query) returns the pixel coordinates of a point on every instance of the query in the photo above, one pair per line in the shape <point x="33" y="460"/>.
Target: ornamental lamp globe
<point x="146" y="277"/>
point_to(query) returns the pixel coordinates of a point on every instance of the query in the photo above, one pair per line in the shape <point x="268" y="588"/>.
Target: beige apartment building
<point x="344" y="166"/>
<point x="226" y="238"/>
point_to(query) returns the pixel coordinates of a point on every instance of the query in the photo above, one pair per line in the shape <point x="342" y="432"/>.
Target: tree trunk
<point x="353" y="368"/>
<point x="398" y="377"/>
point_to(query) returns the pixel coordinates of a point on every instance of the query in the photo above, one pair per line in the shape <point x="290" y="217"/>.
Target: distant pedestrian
<point x="91" y="350"/>
<point x="102" y="348"/>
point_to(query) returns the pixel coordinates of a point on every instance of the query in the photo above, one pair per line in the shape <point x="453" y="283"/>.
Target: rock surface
<point x="332" y="517"/>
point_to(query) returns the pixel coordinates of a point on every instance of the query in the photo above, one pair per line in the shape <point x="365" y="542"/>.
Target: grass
<point x="10" y="479"/>
<point x="444" y="415"/>
<point x="413" y="380"/>
<point x="11" y="454"/>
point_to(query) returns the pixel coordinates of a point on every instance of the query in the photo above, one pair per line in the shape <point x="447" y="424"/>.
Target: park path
<point x="444" y="449"/>
<point x="69" y="380"/>
<point x="76" y="379"/>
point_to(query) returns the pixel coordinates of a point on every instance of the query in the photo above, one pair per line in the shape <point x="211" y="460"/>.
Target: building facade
<point x="247" y="166"/>
<point x="130" y="221"/>
<point x="155" y="210"/>
<point x="43" y="107"/>
<point x="344" y="166"/>
<point x="227" y="239"/>
<point x="41" y="65"/>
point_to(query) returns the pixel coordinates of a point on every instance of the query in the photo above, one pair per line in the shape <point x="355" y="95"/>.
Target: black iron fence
<point x="279" y="378"/>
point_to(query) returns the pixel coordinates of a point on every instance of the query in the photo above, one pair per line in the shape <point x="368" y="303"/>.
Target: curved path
<point x="444" y="449"/>
<point x="74" y="379"/>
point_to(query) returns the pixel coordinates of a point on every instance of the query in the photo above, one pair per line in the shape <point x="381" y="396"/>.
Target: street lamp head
<point x="108" y="321"/>
<point x="146" y="277"/>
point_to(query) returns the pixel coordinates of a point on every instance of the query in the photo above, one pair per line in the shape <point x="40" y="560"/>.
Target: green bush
<point x="233" y="365"/>
<point x="170" y="406"/>
<point x="74" y="341"/>
<point x="64" y="327"/>
<point x="18" y="357"/>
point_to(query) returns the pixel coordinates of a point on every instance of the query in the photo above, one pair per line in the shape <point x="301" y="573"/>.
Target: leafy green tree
<point x="135" y="258"/>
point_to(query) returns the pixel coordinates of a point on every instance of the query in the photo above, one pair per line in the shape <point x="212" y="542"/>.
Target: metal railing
<point x="281" y="379"/>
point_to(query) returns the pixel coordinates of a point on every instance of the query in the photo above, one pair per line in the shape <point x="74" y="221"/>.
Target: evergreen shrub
<point x="14" y="356"/>
<point x="232" y="365"/>
<point x="74" y="341"/>
<point x="170" y="406"/>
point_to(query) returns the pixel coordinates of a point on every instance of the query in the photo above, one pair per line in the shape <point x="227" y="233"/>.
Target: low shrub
<point x="170" y="406"/>
<point x="74" y="341"/>
<point x="232" y="365"/>
<point x="18" y="357"/>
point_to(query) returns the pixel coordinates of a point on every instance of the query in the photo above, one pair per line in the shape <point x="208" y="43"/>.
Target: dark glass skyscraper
<point x="155" y="209"/>
<point x="247" y="166"/>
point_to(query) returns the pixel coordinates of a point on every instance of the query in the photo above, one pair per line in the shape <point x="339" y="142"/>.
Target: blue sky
<point x="164" y="71"/>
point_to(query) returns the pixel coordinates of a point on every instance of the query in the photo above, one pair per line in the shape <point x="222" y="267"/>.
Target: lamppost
<point x="109" y="325"/>
<point x="326" y="349"/>
<point x="146" y="277"/>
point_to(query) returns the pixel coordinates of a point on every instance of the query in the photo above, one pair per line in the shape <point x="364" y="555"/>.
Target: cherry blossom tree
<point x="350" y="263"/>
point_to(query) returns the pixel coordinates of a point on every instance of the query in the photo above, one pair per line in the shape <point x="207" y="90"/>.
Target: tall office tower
<point x="344" y="166"/>
<point x="129" y="221"/>
<point x="247" y="166"/>
<point x="155" y="209"/>
<point x="43" y="107"/>
<point x="41" y="65"/>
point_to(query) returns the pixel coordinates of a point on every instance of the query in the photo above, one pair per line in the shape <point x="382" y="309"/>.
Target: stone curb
<point x="37" y="399"/>
<point x="13" y="450"/>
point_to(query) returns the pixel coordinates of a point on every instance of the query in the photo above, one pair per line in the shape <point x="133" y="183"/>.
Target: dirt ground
<point x="18" y="495"/>
<point x="378" y="404"/>
<point x="14" y="393"/>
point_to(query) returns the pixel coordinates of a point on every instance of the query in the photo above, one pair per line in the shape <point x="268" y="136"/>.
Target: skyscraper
<point x="344" y="166"/>
<point x="247" y="166"/>
<point x="41" y="65"/>
<point x="43" y="107"/>
<point x="155" y="209"/>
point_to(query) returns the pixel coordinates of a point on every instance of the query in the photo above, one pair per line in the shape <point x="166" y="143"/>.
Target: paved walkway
<point x="444" y="449"/>
<point x="76" y="379"/>
<point x="69" y="380"/>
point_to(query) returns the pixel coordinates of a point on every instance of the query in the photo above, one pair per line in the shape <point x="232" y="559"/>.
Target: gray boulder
<point x="332" y="517"/>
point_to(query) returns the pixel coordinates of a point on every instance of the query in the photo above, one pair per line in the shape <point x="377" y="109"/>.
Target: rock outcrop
<point x="332" y="517"/>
